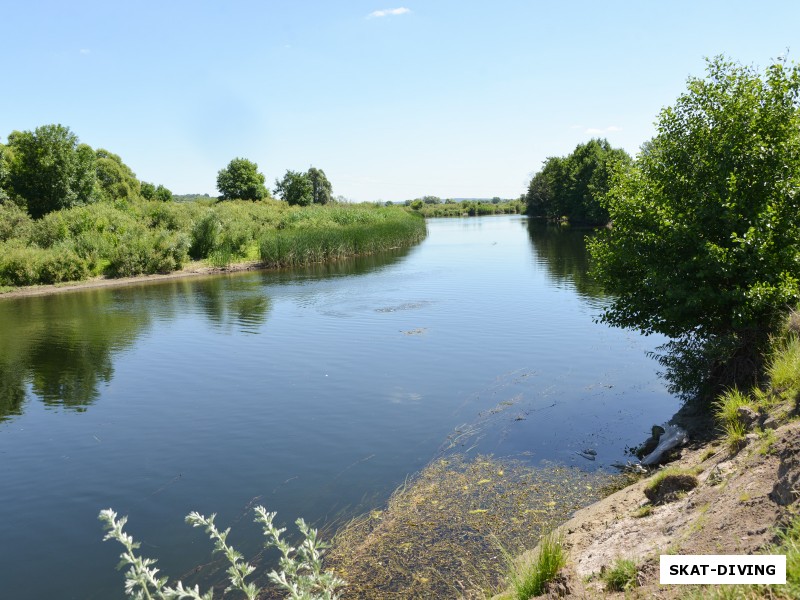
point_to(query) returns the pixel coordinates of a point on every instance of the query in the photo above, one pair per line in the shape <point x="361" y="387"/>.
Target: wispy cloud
<point x="609" y="129"/>
<point x="84" y="51"/>
<point x="388" y="12"/>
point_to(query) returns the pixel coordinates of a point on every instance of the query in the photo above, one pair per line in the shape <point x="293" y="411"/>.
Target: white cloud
<point x="85" y="51"/>
<point x="609" y="129"/>
<point x="388" y="12"/>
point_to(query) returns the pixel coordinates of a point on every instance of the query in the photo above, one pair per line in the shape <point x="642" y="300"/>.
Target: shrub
<point x="14" y="222"/>
<point x="29" y="265"/>
<point x="205" y="234"/>
<point x="148" y="251"/>
<point x="301" y="576"/>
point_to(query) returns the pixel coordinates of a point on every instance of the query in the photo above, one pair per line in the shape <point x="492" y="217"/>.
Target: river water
<point x="314" y="392"/>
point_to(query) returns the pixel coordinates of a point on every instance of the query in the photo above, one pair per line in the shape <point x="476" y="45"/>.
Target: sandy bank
<point x="194" y="269"/>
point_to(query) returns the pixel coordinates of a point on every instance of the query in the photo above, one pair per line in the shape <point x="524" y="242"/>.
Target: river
<point x="314" y="392"/>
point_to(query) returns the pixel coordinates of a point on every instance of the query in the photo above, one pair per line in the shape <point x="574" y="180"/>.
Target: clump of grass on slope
<point x="621" y="576"/>
<point x="532" y="580"/>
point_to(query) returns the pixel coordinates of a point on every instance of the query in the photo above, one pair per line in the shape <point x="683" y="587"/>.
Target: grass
<point x="784" y="368"/>
<point x="777" y="399"/>
<point x="348" y="233"/>
<point x="677" y="482"/>
<point x="643" y="511"/>
<point x="728" y="417"/>
<point x="532" y="579"/>
<point x="621" y="576"/>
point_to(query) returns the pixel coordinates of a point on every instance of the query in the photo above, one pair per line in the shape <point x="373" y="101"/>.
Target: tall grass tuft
<point x="531" y="580"/>
<point x="726" y="412"/>
<point x="621" y="576"/>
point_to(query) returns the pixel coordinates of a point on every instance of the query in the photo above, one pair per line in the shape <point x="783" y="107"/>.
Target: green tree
<point x="50" y="170"/>
<point x="115" y="179"/>
<point x="241" y="180"/>
<point x="574" y="186"/>
<point x="295" y="188"/>
<point x="322" y="189"/>
<point x="5" y="158"/>
<point x="705" y="244"/>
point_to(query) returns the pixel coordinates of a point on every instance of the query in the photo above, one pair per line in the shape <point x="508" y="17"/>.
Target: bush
<point x="29" y="265"/>
<point x="145" y="251"/>
<point x="205" y="234"/>
<point x="14" y="222"/>
<point x="301" y="576"/>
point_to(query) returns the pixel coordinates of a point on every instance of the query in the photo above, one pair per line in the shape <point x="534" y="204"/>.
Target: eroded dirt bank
<point x="738" y="503"/>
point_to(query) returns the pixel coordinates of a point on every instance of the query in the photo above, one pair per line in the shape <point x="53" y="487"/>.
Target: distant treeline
<point x="572" y="187"/>
<point x="433" y="206"/>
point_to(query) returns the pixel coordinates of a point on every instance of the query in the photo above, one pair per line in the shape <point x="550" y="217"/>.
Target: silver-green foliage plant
<point x="300" y="573"/>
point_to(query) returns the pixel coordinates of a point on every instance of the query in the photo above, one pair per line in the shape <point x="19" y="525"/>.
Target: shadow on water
<point x="562" y="251"/>
<point x="60" y="348"/>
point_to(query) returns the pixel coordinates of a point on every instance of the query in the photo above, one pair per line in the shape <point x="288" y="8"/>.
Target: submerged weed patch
<point x="443" y="534"/>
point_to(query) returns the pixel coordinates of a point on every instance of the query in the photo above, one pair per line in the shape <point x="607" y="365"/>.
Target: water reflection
<point x="562" y="251"/>
<point x="61" y="348"/>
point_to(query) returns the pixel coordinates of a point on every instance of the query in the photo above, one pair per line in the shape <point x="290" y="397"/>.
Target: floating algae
<point x="444" y="533"/>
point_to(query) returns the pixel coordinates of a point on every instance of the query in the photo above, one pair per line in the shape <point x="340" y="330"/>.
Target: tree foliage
<point x="49" y="170"/>
<point x="241" y="180"/>
<point x="295" y="188"/>
<point x="574" y="186"/>
<point x="705" y="245"/>
<point x="150" y="191"/>
<point x="115" y="180"/>
<point x="322" y="189"/>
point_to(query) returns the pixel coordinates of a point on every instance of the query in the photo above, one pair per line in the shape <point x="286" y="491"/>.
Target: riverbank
<point x="88" y="246"/>
<point x="737" y="507"/>
<point x="736" y="493"/>
<point x="193" y="269"/>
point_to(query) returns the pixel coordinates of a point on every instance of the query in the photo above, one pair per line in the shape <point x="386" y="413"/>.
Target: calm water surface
<point x="314" y="392"/>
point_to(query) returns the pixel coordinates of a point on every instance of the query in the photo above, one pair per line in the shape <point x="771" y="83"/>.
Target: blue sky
<point x="393" y="100"/>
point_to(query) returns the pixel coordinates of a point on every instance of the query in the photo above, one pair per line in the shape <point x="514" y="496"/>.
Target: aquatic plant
<point x="449" y="531"/>
<point x="300" y="574"/>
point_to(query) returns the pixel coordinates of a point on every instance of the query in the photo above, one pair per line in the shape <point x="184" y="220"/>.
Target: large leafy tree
<point x="321" y="189"/>
<point x="705" y="245"/>
<point x="115" y="180"/>
<point x="573" y="186"/>
<point x="49" y="170"/>
<point x="241" y="180"/>
<point x="295" y="188"/>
